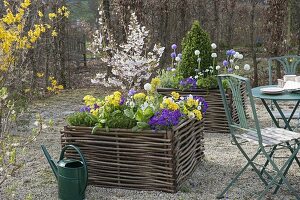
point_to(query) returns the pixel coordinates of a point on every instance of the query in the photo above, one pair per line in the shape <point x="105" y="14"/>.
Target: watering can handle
<point x="81" y="157"/>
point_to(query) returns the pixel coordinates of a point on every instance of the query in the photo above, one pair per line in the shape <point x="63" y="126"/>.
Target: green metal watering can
<point x="71" y="174"/>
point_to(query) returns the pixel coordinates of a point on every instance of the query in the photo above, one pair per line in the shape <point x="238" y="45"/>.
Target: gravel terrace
<point x="222" y="160"/>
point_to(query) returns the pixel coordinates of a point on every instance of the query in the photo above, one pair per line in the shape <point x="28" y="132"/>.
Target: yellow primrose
<point x="139" y="96"/>
<point x="175" y="95"/>
<point x="117" y="94"/>
<point x="89" y="100"/>
<point x="198" y="114"/>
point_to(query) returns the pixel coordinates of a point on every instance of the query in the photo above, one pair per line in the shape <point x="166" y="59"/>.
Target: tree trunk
<point x="230" y="24"/>
<point x="253" y="43"/>
<point x="215" y="30"/>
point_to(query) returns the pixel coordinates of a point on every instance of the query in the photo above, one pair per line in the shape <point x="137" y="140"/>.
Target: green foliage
<point x="196" y="39"/>
<point x="169" y="79"/>
<point x="82" y="119"/>
<point x="209" y="82"/>
<point x="118" y="119"/>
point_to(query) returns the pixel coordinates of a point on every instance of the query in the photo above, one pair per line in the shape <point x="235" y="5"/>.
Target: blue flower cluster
<point x="188" y="83"/>
<point x="165" y="119"/>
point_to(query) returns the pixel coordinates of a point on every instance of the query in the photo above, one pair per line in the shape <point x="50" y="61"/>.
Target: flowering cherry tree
<point x="130" y="64"/>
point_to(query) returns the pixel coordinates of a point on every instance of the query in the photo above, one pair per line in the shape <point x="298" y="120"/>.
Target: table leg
<point x="286" y="121"/>
<point x="270" y="113"/>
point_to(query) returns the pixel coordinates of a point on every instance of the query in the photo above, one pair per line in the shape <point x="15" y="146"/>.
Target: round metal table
<point x="284" y="96"/>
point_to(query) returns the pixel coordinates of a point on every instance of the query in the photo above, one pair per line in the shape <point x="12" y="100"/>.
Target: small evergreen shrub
<point x="195" y="39"/>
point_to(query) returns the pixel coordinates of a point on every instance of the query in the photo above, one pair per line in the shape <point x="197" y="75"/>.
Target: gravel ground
<point x="222" y="160"/>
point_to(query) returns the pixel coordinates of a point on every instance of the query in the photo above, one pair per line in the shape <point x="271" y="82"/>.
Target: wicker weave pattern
<point x="144" y="161"/>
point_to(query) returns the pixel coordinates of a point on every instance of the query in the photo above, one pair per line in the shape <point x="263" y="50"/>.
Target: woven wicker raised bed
<point x="144" y="160"/>
<point x="215" y="117"/>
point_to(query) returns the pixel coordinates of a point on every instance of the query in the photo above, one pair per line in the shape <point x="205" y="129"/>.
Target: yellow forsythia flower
<point x="52" y="16"/>
<point x="39" y="74"/>
<point x="40" y="14"/>
<point x="54" y="33"/>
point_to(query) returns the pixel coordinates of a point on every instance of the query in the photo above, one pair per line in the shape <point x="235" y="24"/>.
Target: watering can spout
<point x="51" y="162"/>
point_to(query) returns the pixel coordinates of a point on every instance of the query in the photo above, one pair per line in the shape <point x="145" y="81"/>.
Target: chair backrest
<point x="230" y="83"/>
<point x="289" y="65"/>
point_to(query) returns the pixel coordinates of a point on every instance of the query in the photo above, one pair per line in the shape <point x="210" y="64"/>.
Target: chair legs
<point x="281" y="174"/>
<point x="277" y="179"/>
<point x="221" y="195"/>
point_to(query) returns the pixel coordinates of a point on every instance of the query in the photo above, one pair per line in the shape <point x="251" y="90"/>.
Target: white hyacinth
<point x="197" y="52"/>
<point x="213" y="46"/>
<point x="214" y="55"/>
<point x="236" y="67"/>
<point x="218" y="67"/>
<point x="240" y="56"/>
<point x="247" y="67"/>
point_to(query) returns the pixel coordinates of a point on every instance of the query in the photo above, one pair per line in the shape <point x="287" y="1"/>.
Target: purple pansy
<point x="123" y="99"/>
<point x="131" y="92"/>
<point x="85" y="109"/>
<point x="204" y="104"/>
<point x="230" y="70"/>
<point x="174" y="46"/>
<point x="165" y="119"/>
<point x="96" y="106"/>
<point x="188" y="83"/>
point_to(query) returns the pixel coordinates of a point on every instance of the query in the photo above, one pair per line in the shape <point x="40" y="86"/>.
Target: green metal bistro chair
<point x="268" y="140"/>
<point x="291" y="66"/>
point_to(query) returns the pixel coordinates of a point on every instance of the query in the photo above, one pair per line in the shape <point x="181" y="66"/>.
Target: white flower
<point x="199" y="60"/>
<point x="197" y="52"/>
<point x="240" y="56"/>
<point x="173" y="69"/>
<point x="147" y="86"/>
<point x="131" y="104"/>
<point x="247" y="67"/>
<point x="213" y="46"/>
<point x="199" y="107"/>
<point x="236" y="55"/>
<point x="177" y="59"/>
<point x="214" y="55"/>
<point x="196" y="77"/>
<point x="144" y="106"/>
<point x="218" y="67"/>
<point x="236" y="67"/>
<point x="211" y="67"/>
<point x="191" y="115"/>
<point x="207" y="70"/>
<point x="231" y="61"/>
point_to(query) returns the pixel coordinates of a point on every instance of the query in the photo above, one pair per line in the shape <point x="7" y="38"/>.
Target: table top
<point x="285" y="96"/>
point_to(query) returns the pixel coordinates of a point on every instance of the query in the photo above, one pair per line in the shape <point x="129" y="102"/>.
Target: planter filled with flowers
<point x="139" y="140"/>
<point x="195" y="72"/>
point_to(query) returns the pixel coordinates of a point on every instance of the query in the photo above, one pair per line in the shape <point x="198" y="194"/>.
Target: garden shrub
<point x="195" y="39"/>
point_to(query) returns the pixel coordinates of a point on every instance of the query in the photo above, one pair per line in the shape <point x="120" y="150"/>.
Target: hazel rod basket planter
<point x="145" y="160"/>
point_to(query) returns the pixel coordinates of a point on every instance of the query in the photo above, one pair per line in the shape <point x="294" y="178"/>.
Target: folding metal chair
<point x="268" y="140"/>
